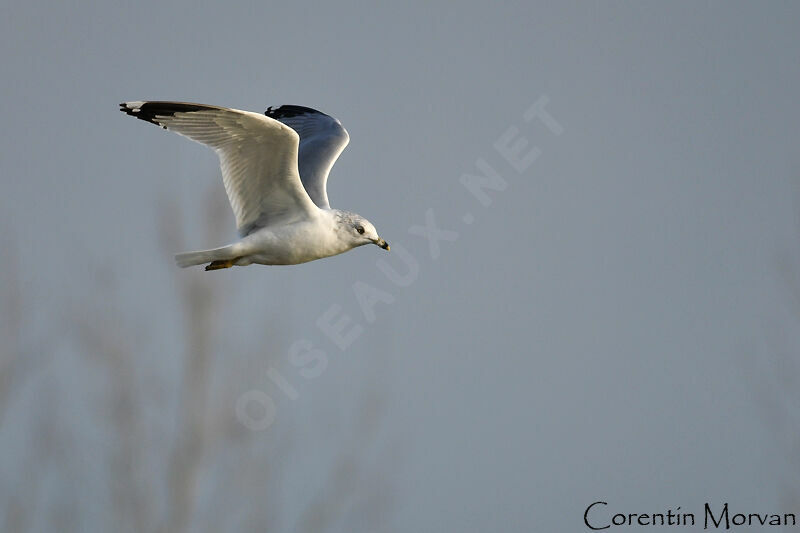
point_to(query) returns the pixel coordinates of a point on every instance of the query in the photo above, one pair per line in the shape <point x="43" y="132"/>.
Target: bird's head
<point x="360" y="231"/>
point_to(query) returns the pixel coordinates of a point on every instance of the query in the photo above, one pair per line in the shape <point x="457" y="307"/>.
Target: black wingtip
<point x="288" y="111"/>
<point x="148" y="111"/>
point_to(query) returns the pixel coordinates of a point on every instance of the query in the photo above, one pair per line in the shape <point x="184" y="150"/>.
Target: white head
<point x="358" y="230"/>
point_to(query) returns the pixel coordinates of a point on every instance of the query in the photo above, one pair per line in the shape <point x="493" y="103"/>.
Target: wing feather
<point x="322" y="140"/>
<point x="258" y="157"/>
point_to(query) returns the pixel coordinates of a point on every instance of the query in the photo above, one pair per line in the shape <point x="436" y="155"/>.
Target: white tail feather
<point x="204" y="256"/>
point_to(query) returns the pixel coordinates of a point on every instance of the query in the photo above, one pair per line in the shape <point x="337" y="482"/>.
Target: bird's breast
<point x="294" y="243"/>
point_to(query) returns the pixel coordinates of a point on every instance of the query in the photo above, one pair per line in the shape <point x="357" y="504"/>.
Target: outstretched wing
<point x="258" y="156"/>
<point x="322" y="139"/>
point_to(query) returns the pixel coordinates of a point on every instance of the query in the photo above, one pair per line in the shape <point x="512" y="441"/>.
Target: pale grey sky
<point x="606" y="329"/>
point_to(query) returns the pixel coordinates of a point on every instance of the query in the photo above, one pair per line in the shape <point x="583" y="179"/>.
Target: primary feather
<point x="258" y="157"/>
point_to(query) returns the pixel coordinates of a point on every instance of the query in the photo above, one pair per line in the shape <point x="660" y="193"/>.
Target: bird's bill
<point x="383" y="244"/>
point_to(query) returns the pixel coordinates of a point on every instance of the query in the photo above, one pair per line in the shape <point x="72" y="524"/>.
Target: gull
<point x="275" y="168"/>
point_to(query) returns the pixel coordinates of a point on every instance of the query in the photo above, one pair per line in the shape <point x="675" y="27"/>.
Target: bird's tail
<point x="225" y="255"/>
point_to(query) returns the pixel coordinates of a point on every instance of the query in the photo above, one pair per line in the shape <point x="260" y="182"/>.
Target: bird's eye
<point x="360" y="229"/>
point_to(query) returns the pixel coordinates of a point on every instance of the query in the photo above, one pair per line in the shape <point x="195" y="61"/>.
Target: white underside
<point x="284" y="244"/>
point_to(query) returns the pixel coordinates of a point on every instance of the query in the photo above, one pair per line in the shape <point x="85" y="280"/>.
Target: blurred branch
<point x="342" y="484"/>
<point x="206" y="453"/>
<point x="18" y="358"/>
<point x="202" y="300"/>
<point x="11" y="305"/>
<point x="104" y="344"/>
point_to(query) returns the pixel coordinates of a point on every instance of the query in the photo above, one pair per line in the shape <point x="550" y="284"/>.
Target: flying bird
<point x="275" y="168"/>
